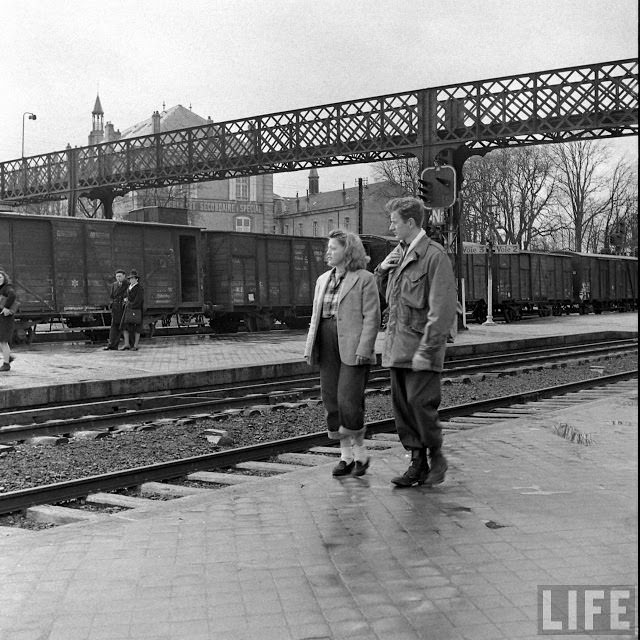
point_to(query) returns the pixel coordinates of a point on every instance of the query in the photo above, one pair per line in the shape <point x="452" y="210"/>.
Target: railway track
<point x="206" y="468"/>
<point x="107" y="415"/>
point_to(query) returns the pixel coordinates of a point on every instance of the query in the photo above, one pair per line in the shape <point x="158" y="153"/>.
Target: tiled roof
<point x="177" y="117"/>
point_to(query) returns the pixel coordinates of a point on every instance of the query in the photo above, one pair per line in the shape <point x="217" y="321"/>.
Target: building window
<point x="243" y="223"/>
<point x="315" y="229"/>
<point x="300" y="228"/>
<point x="346" y="224"/>
<point x="286" y="229"/>
<point x="242" y="189"/>
<point x="330" y="225"/>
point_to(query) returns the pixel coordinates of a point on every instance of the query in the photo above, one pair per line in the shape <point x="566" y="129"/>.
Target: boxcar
<point x="63" y="267"/>
<point x="524" y="282"/>
<point x="259" y="278"/>
<point x="604" y="282"/>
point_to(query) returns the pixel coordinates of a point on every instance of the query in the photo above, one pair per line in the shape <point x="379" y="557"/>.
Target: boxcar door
<point x="70" y="263"/>
<point x="161" y="278"/>
<point x="100" y="269"/>
<point x="278" y="272"/>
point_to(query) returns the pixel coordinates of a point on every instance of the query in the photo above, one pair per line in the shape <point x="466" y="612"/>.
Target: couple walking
<point x="417" y="281"/>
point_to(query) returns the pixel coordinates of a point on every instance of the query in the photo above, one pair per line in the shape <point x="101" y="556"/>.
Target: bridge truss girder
<point x="454" y="121"/>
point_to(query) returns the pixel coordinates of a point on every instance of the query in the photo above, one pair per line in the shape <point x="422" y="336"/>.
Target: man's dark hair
<point x="122" y="271"/>
<point x="407" y="208"/>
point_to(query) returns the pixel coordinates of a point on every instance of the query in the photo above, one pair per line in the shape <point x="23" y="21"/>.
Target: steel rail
<point x="175" y="405"/>
<point x="72" y="489"/>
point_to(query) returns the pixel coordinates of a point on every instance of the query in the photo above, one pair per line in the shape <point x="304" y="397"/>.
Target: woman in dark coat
<point x="7" y="301"/>
<point x="133" y="300"/>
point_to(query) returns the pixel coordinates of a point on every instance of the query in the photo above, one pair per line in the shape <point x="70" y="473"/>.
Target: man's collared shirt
<point x="332" y="295"/>
<point x="414" y="242"/>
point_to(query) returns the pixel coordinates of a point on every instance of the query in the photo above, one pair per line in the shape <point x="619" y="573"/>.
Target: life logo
<point x="587" y="610"/>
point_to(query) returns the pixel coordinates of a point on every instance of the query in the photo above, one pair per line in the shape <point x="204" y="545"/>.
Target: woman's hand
<point x="6" y="312"/>
<point x="361" y="360"/>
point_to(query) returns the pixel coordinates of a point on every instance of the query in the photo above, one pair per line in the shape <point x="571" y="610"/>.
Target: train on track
<point x="62" y="268"/>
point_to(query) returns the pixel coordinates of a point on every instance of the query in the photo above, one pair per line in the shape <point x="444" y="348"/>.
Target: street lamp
<point x="32" y="116"/>
<point x="489" y="321"/>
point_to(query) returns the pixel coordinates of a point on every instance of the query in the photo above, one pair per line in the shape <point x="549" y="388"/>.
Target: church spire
<point x="97" y="108"/>
<point x="97" y="125"/>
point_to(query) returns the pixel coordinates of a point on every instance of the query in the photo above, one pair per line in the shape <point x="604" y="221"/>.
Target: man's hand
<point x="419" y="362"/>
<point x="391" y="261"/>
<point x="6" y="312"/>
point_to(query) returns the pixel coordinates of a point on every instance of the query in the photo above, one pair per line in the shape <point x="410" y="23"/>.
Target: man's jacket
<point x="421" y="295"/>
<point x="117" y="295"/>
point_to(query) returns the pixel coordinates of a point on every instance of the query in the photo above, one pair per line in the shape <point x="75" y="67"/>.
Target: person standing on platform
<point x="133" y="310"/>
<point x="418" y="283"/>
<point x="8" y="306"/>
<point x="342" y="335"/>
<point x="117" y="296"/>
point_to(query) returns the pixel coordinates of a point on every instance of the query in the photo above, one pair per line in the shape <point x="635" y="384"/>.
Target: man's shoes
<point x="438" y="470"/>
<point x="5" y="366"/>
<point x="361" y="467"/>
<point x="343" y="468"/>
<point x="416" y="473"/>
<point x="11" y="359"/>
<point x="110" y="348"/>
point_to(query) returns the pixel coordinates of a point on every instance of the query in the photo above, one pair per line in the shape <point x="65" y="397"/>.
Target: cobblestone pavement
<point x="306" y="556"/>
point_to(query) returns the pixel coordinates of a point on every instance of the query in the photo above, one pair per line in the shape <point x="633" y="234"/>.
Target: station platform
<point x="51" y="373"/>
<point x="306" y="556"/>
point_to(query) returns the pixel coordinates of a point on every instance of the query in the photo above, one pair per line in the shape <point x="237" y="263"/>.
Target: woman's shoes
<point x="361" y="467"/>
<point x="5" y="366"/>
<point x="134" y="348"/>
<point x="125" y="349"/>
<point x="354" y="468"/>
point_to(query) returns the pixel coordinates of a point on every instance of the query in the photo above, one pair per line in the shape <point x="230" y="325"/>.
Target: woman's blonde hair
<point x="355" y="256"/>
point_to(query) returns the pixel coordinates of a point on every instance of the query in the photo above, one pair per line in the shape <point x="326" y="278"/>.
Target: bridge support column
<point x="106" y="200"/>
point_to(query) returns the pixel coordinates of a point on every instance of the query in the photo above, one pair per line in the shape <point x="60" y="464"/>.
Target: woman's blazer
<point x="358" y="317"/>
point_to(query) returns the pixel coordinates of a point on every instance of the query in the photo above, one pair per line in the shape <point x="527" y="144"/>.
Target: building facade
<point x="236" y="204"/>
<point x="317" y="213"/>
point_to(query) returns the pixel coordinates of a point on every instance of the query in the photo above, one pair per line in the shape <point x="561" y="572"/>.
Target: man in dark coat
<point x="117" y="295"/>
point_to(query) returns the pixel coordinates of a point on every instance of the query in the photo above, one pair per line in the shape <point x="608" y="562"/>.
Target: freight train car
<point x="63" y="267"/>
<point x="548" y="283"/>
<point x="523" y="283"/>
<point x="257" y="279"/>
<point x="604" y="282"/>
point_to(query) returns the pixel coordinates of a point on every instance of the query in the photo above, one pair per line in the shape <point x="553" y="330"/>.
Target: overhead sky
<point x="234" y="58"/>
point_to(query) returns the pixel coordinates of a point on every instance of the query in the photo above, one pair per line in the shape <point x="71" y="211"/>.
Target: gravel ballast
<point x="32" y="465"/>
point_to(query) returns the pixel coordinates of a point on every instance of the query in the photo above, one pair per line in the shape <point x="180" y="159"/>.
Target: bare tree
<point x="508" y="195"/>
<point x="403" y="172"/>
<point x="621" y="207"/>
<point x="580" y="185"/>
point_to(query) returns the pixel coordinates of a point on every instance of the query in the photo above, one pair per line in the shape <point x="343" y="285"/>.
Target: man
<point x="418" y="283"/>
<point x="117" y="295"/>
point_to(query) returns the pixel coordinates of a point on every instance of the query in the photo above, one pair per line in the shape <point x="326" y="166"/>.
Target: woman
<point x="7" y="302"/>
<point x="342" y="335"/>
<point x="134" y="300"/>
